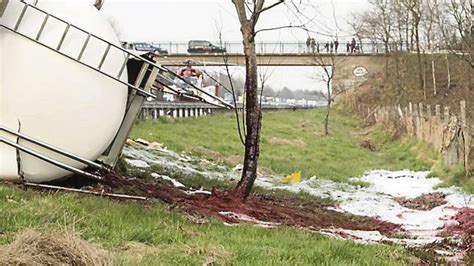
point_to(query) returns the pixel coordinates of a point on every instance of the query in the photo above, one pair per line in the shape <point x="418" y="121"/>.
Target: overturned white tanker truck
<point x="69" y="93"/>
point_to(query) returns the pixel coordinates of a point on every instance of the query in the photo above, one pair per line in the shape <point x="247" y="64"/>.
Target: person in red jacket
<point x="189" y="77"/>
<point x="189" y="71"/>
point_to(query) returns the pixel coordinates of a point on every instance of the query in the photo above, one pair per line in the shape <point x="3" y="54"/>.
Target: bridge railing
<point x="281" y="48"/>
<point x="157" y="109"/>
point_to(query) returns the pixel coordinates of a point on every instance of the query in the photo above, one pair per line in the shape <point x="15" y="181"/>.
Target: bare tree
<point x="420" y="25"/>
<point x="456" y="23"/>
<point x="433" y="73"/>
<point x="401" y="18"/>
<point x="461" y="12"/>
<point x="327" y="77"/>
<point x="377" y="25"/>
<point x="249" y="13"/>
<point x="384" y="26"/>
<point x="428" y="22"/>
<point x="415" y="9"/>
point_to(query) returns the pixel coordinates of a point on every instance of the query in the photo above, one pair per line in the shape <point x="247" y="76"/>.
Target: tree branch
<point x="235" y="102"/>
<point x="240" y="8"/>
<point x="249" y="9"/>
<point x="258" y="6"/>
<point x="282" y="27"/>
<point x="263" y="9"/>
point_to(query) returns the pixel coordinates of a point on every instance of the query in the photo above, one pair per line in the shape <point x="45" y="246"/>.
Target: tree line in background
<point x="418" y="37"/>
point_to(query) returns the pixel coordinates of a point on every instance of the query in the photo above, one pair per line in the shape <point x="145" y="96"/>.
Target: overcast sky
<point x="181" y="21"/>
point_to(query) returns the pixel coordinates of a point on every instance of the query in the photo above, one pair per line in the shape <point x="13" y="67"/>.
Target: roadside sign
<point x="360" y="71"/>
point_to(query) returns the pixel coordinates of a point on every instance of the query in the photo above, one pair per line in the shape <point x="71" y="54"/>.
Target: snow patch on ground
<point x="246" y="218"/>
<point x="377" y="200"/>
<point x="199" y="191"/>
<point x="180" y="185"/>
<point x="372" y="237"/>
<point x="175" y="182"/>
<point x="173" y="162"/>
<point x="138" y="163"/>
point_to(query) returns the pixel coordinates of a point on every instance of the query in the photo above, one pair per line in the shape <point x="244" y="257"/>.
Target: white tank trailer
<point x="56" y="112"/>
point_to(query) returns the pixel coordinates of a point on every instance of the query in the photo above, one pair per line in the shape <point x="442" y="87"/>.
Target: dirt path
<point x="258" y="209"/>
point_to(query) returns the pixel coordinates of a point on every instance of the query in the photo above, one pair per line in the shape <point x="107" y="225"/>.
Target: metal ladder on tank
<point x="156" y="70"/>
<point x="139" y="89"/>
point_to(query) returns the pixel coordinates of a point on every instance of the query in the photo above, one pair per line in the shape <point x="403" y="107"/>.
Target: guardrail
<point x="156" y="109"/>
<point x="262" y="48"/>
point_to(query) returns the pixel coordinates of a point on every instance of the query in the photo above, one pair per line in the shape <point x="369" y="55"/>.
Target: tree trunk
<point x="386" y="60"/>
<point x="433" y="72"/>
<point x="423" y="71"/>
<point x="418" y="53"/>
<point x="253" y="119"/>
<point x="328" y="108"/>
<point x="448" y="72"/>
<point x="397" y="72"/>
<point x="400" y="32"/>
<point x="407" y="31"/>
<point x="471" y="56"/>
<point x="469" y="81"/>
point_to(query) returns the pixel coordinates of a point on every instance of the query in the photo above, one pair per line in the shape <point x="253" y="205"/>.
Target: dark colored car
<point x="197" y="46"/>
<point x="146" y="47"/>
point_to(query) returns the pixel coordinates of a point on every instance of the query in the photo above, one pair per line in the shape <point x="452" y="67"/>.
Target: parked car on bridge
<point x="199" y="46"/>
<point x="146" y="47"/>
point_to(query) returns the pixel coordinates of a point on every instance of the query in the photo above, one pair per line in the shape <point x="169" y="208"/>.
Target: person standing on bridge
<point x="308" y="44"/>
<point x="313" y="45"/>
<point x="348" y="47"/>
<point x="336" y="45"/>
<point x="326" y="46"/>
<point x="331" y="45"/>
<point x="353" y="45"/>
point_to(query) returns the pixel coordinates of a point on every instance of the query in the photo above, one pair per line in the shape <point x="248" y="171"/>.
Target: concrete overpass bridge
<point x="305" y="59"/>
<point x="349" y="69"/>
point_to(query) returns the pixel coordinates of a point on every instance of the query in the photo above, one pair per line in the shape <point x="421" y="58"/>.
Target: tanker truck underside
<point x="138" y="75"/>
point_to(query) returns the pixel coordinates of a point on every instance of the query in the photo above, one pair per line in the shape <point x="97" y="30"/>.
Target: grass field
<point x="291" y="141"/>
<point x="137" y="234"/>
<point x="151" y="234"/>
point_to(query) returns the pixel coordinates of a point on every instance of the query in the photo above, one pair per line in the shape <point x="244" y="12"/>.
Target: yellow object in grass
<point x="292" y="179"/>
